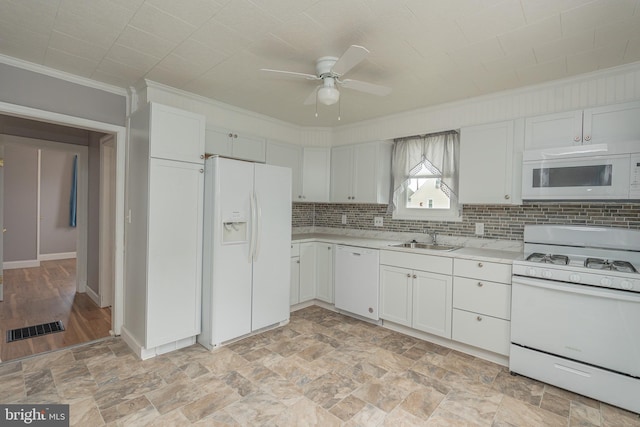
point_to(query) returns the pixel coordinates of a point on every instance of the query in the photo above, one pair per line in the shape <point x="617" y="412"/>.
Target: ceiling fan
<point x="330" y="70"/>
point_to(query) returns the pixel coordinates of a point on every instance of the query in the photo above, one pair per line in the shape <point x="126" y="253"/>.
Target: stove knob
<point x="531" y="272"/>
<point x="546" y="274"/>
<point x="605" y="281"/>
<point x="626" y="285"/>
<point x="575" y="278"/>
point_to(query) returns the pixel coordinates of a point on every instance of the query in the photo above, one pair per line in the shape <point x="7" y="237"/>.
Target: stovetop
<point x="592" y="263"/>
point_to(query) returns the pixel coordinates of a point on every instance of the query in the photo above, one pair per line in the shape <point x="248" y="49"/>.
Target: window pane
<point x="425" y="193"/>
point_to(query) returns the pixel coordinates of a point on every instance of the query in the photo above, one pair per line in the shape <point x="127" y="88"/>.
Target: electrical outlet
<point x="378" y="221"/>
<point x="344" y="219"/>
<point x="479" y="228"/>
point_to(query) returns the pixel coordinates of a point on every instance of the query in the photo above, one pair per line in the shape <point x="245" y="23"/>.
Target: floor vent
<point x="34" y="331"/>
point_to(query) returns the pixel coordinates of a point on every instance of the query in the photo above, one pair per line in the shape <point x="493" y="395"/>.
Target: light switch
<point x="479" y="228"/>
<point x="378" y="221"/>
<point x="344" y="219"/>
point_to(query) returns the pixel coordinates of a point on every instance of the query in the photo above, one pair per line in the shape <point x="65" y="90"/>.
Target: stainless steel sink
<point x="418" y="245"/>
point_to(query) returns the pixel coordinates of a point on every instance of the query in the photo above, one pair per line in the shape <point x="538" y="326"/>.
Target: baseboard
<point x="94" y="297"/>
<point x="147" y="353"/>
<point x="30" y="263"/>
<point x="57" y="256"/>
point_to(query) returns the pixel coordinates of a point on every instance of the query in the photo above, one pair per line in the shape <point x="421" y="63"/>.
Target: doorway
<point x="66" y="278"/>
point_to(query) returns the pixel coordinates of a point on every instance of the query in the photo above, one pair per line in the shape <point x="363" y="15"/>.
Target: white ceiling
<point x="428" y="51"/>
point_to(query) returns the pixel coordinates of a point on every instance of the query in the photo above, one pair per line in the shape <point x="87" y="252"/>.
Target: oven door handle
<point x="615" y="294"/>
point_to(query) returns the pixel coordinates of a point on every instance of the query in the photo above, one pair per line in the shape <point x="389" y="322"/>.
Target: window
<point x="425" y="177"/>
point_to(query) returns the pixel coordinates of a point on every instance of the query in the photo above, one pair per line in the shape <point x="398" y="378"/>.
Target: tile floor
<point x="321" y="369"/>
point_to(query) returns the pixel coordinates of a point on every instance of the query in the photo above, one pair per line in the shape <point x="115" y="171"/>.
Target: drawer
<point x="481" y="331"/>
<point x="434" y="264"/>
<point x="483" y="270"/>
<point x="481" y="296"/>
<point x="295" y="249"/>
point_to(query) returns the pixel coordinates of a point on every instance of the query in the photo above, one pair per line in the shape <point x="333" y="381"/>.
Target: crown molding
<point x="62" y="75"/>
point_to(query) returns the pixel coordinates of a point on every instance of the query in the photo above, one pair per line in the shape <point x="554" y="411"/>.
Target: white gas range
<point x="575" y="320"/>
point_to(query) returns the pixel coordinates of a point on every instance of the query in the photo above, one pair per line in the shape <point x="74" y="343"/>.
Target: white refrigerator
<point x="247" y="244"/>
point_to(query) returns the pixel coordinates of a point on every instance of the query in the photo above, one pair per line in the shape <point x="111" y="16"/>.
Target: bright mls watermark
<point x="34" y="415"/>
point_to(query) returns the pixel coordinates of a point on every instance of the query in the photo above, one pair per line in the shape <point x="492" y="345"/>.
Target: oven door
<point x="592" y="325"/>
<point x="605" y="177"/>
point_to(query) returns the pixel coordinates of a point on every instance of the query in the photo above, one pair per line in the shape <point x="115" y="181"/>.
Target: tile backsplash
<point x="500" y="222"/>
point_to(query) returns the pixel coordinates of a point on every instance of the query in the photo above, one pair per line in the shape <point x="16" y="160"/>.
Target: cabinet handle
<point x="480" y="284"/>
<point x="480" y="265"/>
<point x="202" y="156"/>
<point x="576" y="139"/>
<point x="328" y="248"/>
<point x="201" y="170"/>
<point x="587" y="138"/>
<point x="408" y="275"/>
<point x="235" y="135"/>
<point x="230" y="135"/>
<point x="415" y="277"/>
<point x="479" y="319"/>
<point x="507" y="197"/>
<point x="298" y="262"/>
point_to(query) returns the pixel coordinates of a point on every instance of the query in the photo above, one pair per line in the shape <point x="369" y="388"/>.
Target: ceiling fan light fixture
<point x="328" y="95"/>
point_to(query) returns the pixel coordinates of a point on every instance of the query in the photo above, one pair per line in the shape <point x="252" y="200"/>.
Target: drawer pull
<point x="480" y="265"/>
<point x="479" y="319"/>
<point x="480" y="284"/>
<point x="408" y="275"/>
<point x="415" y="277"/>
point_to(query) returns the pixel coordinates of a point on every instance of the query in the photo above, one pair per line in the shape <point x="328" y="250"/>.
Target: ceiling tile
<point x="493" y="21"/>
<point x="535" y="10"/>
<point x="446" y="39"/>
<point x="565" y="46"/>
<point x="71" y="64"/>
<point x="159" y="23"/>
<point x="632" y="53"/>
<point x="92" y="31"/>
<point x="285" y="9"/>
<point x="596" y="14"/>
<point x="246" y="18"/>
<point x="107" y="13"/>
<point x="339" y="16"/>
<point x="432" y="12"/>
<point x="301" y="32"/>
<point x="221" y="37"/>
<point x="474" y="54"/>
<point x="193" y="12"/>
<point x="555" y="69"/>
<point x="19" y="42"/>
<point x="198" y="53"/>
<point x="131" y="57"/>
<point x="142" y="41"/>
<point x="76" y="47"/>
<point x="596" y="59"/>
<point x="121" y="71"/>
<point x="110" y="79"/>
<point x="173" y="71"/>
<point x="35" y="15"/>
<point x="543" y="31"/>
<point x="525" y="58"/>
<point x="618" y="31"/>
<point x="276" y="51"/>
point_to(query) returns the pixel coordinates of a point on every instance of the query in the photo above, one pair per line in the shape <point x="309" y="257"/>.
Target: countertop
<point x="480" y="254"/>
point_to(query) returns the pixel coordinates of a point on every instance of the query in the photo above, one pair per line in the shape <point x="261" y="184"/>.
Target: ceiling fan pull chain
<point x="339" y="102"/>
<point x="316" y="103"/>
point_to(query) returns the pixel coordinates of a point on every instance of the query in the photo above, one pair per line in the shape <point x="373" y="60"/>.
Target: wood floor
<point x="46" y="294"/>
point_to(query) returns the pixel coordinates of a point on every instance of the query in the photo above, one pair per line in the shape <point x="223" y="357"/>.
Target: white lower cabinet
<point x="312" y="272"/>
<point x="416" y="298"/>
<point x="482" y="304"/>
<point x="324" y="272"/>
<point x="307" y="271"/>
<point x="295" y="276"/>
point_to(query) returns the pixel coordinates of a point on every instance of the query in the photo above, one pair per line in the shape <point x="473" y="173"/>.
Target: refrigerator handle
<point x="256" y="249"/>
<point x="252" y="228"/>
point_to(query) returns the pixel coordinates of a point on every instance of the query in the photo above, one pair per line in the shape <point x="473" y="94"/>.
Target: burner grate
<point x="34" y="331"/>
<point x="549" y="259"/>
<point x="605" y="264"/>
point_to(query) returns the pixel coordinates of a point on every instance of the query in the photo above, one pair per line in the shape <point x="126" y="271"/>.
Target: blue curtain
<point x="73" y="203"/>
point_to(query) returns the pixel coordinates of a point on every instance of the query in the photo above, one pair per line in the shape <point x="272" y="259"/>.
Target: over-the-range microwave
<point x="585" y="172"/>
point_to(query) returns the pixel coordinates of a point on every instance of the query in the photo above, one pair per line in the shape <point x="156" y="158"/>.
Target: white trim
<point x="94" y="297"/>
<point x="120" y="133"/>
<point x="56" y="256"/>
<point x="62" y="75"/>
<point x="106" y="220"/>
<point x="30" y="263"/>
<point x="38" y="213"/>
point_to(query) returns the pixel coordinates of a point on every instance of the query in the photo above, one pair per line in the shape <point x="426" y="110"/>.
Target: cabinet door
<point x="315" y="174"/>
<point x="295" y="281"/>
<point x="612" y="123"/>
<point x="342" y="174"/>
<point x="553" y="130"/>
<point x="175" y="251"/>
<point x="218" y="142"/>
<point x="177" y="134"/>
<point x="432" y="302"/>
<point x="487" y="163"/>
<point x="365" y="169"/>
<point x="248" y="148"/>
<point x="324" y="270"/>
<point x="396" y="294"/>
<point x="307" y="271"/>
<point x="288" y="156"/>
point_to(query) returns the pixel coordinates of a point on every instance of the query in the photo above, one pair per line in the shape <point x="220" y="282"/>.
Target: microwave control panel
<point x="634" y="178"/>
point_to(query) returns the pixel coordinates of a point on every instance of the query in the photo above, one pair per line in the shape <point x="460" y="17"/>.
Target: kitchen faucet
<point x="434" y="236"/>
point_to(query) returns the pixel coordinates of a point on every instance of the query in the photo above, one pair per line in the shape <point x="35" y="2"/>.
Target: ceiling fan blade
<point x="352" y="57"/>
<point x="293" y="74"/>
<point x="311" y="99"/>
<point x="366" y="87"/>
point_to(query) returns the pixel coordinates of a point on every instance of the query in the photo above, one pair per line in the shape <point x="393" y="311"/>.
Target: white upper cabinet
<point x="608" y="124"/>
<point x="176" y="134"/>
<point x="491" y="163"/>
<point x="235" y="145"/>
<point x="309" y="169"/>
<point x="361" y="173"/>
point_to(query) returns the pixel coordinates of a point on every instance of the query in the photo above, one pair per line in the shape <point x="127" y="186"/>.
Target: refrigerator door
<point x="271" y="267"/>
<point x="229" y="218"/>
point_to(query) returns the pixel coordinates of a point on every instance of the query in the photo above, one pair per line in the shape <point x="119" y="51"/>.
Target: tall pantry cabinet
<point x="163" y="229"/>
